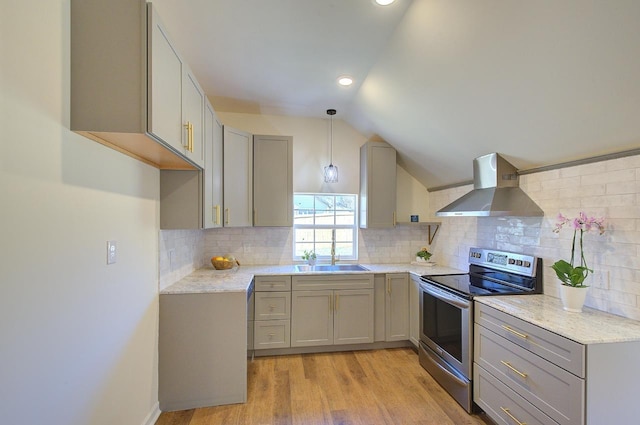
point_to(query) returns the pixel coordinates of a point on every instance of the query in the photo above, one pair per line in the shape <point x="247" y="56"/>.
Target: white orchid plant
<point x="569" y="274"/>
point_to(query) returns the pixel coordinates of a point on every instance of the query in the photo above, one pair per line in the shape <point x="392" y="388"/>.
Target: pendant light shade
<point x="331" y="171"/>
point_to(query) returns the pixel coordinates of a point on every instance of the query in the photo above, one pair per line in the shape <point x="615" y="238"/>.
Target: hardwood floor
<point x="361" y="387"/>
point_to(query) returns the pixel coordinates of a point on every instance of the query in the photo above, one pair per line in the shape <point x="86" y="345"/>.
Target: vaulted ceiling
<point x="443" y="81"/>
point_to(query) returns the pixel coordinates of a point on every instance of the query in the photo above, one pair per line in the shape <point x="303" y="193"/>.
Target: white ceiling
<point x="444" y="81"/>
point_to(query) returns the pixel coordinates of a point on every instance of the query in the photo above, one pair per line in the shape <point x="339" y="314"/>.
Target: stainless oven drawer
<point x="450" y="379"/>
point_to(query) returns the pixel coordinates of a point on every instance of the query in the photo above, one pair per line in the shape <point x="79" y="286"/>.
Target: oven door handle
<point x="444" y="296"/>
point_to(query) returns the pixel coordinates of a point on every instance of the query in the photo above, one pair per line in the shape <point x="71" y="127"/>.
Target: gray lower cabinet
<point x="526" y="374"/>
<point x="200" y="363"/>
<point x="272" y="312"/>
<point x="331" y="310"/>
<point x="391" y="307"/>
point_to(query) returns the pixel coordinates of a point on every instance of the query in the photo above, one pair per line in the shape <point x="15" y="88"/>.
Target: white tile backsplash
<point x="180" y="253"/>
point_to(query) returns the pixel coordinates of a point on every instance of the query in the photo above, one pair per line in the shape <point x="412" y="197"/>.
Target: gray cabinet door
<point x="397" y="307"/>
<point x="273" y="181"/>
<point x="353" y="316"/>
<point x="238" y="181"/>
<point x="165" y="86"/>
<point x="414" y="309"/>
<point x="193" y="100"/>
<point x="377" y="185"/>
<point x="311" y="318"/>
<point x="212" y="169"/>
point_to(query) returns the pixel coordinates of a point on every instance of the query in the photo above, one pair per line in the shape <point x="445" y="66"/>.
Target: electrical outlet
<point x="112" y="252"/>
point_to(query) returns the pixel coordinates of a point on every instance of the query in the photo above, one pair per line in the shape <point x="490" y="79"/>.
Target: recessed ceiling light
<point x="384" y="2"/>
<point x="345" y="80"/>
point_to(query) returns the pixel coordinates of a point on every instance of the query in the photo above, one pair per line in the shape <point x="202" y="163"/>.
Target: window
<point x="316" y="216"/>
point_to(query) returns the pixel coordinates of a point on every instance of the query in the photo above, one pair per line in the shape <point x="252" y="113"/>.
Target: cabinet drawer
<point x="502" y="404"/>
<point x="550" y="388"/>
<point x="272" y="305"/>
<point x="333" y="281"/>
<point x="271" y="334"/>
<point x="273" y="283"/>
<point x="561" y="351"/>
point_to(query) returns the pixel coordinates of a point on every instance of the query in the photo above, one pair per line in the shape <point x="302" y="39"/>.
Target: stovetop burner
<point x="493" y="272"/>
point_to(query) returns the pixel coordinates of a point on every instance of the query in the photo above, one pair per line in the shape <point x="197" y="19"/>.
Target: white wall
<point x="606" y="189"/>
<point x="79" y="338"/>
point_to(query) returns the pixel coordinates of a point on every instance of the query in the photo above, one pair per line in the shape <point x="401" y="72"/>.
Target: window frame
<point x="353" y="227"/>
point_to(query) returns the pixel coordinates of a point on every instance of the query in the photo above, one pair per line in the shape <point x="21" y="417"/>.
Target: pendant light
<point x="331" y="172"/>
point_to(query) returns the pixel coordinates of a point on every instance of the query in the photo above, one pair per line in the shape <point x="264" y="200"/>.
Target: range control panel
<point x="502" y="260"/>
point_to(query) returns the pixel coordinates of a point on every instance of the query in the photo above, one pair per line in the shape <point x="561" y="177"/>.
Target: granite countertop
<point x="589" y="327"/>
<point x="209" y="280"/>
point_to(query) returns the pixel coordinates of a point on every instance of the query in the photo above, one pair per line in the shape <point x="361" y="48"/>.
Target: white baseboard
<point x="153" y="416"/>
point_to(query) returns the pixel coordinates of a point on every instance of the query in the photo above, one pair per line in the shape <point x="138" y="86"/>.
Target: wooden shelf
<point x="431" y="226"/>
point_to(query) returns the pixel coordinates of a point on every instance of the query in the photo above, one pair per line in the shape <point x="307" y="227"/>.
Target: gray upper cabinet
<point x="377" y="185"/>
<point x="212" y="168"/>
<point x="193" y="108"/>
<point x="273" y="181"/>
<point x="238" y="178"/>
<point x="193" y="199"/>
<point x="130" y="87"/>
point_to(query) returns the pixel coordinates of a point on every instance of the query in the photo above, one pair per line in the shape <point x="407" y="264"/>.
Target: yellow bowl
<point x="222" y="265"/>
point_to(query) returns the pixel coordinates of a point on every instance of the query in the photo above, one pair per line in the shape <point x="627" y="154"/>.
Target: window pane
<point x="325" y="218"/>
<point x="323" y="249"/>
<point x="302" y="247"/>
<point x="304" y="235"/>
<point x="345" y="203"/>
<point x="344" y="235"/>
<point x="344" y="249"/>
<point x="323" y="235"/>
<point x="345" y="218"/>
<point x="302" y="219"/>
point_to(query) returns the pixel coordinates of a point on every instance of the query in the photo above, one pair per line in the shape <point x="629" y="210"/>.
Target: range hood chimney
<point x="495" y="192"/>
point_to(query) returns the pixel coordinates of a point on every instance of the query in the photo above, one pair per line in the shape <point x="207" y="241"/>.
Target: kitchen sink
<point x="330" y="268"/>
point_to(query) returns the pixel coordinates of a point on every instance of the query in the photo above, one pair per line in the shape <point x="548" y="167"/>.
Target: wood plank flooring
<point x="351" y="388"/>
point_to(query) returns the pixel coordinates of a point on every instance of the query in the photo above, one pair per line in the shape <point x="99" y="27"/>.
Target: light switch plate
<point x="112" y="252"/>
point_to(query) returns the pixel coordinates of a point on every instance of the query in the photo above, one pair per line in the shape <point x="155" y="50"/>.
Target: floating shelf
<point x="431" y="226"/>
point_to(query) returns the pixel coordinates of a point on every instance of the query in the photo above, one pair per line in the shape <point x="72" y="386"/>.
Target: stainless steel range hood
<point x="496" y="192"/>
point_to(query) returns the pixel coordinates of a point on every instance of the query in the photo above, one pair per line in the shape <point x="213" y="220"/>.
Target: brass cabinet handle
<point x="513" y="369"/>
<point x="226" y="216"/>
<point x="513" y="331"/>
<point x="394" y="219"/>
<point x="513" y="418"/>
<point x="189" y="127"/>
<point x="216" y="214"/>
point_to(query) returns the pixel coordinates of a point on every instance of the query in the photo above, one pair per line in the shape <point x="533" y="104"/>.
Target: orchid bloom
<point x="569" y="274"/>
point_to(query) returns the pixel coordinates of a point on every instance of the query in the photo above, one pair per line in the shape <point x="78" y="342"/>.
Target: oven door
<point x="446" y="326"/>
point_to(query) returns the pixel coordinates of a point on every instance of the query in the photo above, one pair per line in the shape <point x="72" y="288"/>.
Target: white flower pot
<point x="573" y="298"/>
